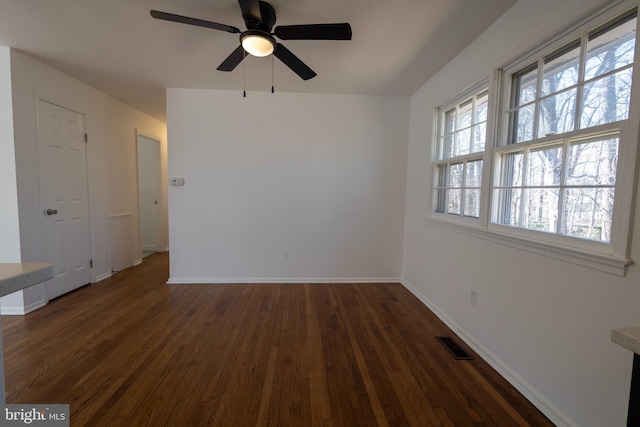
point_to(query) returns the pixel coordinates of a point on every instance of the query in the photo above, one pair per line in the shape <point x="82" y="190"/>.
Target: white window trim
<point x="611" y="258"/>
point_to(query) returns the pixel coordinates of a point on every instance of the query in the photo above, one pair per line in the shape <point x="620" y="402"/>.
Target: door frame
<point x="161" y="202"/>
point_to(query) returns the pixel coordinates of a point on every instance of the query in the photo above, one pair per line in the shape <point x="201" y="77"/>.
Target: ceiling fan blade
<point x="250" y="10"/>
<point x="314" y="32"/>
<point x="293" y="62"/>
<point x="233" y="60"/>
<point x="193" y="21"/>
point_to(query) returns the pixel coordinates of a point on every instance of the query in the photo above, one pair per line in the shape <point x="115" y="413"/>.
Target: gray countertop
<point x="17" y="276"/>
<point x="628" y="338"/>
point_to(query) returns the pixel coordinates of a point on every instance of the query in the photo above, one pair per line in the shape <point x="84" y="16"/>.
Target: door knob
<point x="51" y="211"/>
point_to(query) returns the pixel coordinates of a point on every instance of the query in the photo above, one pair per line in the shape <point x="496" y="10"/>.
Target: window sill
<point x="607" y="263"/>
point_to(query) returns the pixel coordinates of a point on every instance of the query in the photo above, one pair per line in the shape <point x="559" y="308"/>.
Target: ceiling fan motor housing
<point x="268" y="19"/>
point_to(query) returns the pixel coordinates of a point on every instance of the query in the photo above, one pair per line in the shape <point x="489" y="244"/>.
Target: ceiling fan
<point x="258" y="40"/>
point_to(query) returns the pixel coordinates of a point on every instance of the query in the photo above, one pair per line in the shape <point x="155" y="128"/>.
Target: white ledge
<point x="628" y="338"/>
<point x="599" y="261"/>
<point x="17" y="276"/>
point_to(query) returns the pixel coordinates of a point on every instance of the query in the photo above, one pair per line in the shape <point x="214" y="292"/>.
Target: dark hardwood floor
<point x="133" y="351"/>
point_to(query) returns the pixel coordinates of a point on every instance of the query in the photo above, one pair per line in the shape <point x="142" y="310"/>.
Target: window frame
<point x="612" y="257"/>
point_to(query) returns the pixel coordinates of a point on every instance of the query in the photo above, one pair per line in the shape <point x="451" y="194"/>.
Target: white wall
<point x="111" y="160"/>
<point x="321" y="176"/>
<point x="9" y="234"/>
<point x="543" y="323"/>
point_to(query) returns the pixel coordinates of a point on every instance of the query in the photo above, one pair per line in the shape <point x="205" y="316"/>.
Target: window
<point x="551" y="168"/>
<point x="566" y="187"/>
<point x="556" y="171"/>
<point x="462" y="132"/>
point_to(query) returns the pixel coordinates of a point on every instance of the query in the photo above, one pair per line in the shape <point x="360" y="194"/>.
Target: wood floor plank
<point x="134" y="351"/>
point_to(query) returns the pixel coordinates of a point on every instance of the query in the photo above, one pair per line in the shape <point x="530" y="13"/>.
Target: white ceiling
<point x="116" y="47"/>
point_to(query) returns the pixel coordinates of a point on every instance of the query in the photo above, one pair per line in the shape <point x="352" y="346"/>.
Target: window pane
<point x="447" y="146"/>
<point x="474" y="174"/>
<point x="465" y="114"/>
<point x="480" y="122"/>
<point x="462" y="143"/>
<point x="588" y="213"/>
<point x="523" y="123"/>
<point x="606" y="100"/>
<point x="509" y="206"/>
<point x="449" y="122"/>
<point x="454" y="202"/>
<point x="545" y="167"/>
<point x="526" y="84"/>
<point x="610" y="49"/>
<point x="561" y="70"/>
<point x="472" y="202"/>
<point x="455" y="175"/>
<point x="440" y="192"/>
<point x="482" y="105"/>
<point x="557" y="114"/>
<point x="541" y="209"/>
<point x="440" y="198"/>
<point x="443" y="172"/>
<point x="512" y="169"/>
<point x="479" y="137"/>
<point x="593" y="163"/>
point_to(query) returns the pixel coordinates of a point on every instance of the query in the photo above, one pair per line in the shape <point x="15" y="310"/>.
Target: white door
<point x="149" y="193"/>
<point x="64" y="205"/>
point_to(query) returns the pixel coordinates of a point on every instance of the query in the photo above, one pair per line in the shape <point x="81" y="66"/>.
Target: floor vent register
<point x="457" y="351"/>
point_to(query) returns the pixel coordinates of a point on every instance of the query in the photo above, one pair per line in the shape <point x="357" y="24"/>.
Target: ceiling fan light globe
<point x="258" y="45"/>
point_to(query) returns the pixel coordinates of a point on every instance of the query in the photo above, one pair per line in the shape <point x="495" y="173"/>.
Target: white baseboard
<point x="35" y="305"/>
<point x="21" y="311"/>
<point x="137" y="262"/>
<point x="221" y="280"/>
<point x="529" y="392"/>
<point x="103" y="276"/>
<point x="12" y="311"/>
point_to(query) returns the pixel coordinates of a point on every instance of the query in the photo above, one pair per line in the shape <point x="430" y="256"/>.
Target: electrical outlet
<point x="285" y="254"/>
<point x="474" y="297"/>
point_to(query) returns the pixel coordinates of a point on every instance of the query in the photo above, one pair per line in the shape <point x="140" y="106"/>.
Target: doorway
<point x="149" y="193"/>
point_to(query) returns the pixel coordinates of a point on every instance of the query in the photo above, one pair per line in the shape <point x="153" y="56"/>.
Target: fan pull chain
<point x="244" y="74"/>
<point x="272" y="90"/>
